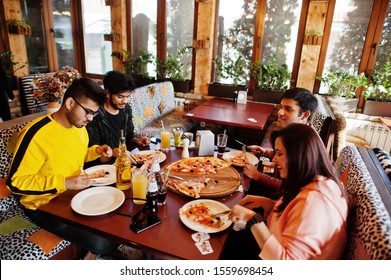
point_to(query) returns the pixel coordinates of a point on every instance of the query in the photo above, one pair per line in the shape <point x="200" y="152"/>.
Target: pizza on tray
<point x="201" y="214"/>
<point x="199" y="165"/>
<point x="191" y="187"/>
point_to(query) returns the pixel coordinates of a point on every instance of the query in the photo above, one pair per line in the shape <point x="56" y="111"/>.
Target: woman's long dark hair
<point x="307" y="158"/>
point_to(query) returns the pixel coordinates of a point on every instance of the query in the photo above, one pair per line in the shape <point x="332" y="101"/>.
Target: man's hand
<point x="104" y="151"/>
<point x="78" y="182"/>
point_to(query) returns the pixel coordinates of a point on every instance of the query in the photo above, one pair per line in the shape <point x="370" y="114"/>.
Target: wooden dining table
<point x="170" y="239"/>
<point x="251" y="115"/>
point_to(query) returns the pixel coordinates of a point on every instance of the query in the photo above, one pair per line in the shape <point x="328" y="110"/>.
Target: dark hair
<point x="85" y="88"/>
<point x="307" y="158"/>
<point x="116" y="82"/>
<point x="305" y="99"/>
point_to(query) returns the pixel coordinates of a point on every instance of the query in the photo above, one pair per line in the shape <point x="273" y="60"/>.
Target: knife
<point x="241" y="143"/>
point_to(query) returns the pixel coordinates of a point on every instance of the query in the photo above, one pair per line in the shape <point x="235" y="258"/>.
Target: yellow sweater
<point x="46" y="153"/>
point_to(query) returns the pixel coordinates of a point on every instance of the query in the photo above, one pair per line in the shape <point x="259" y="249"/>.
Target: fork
<point x="221" y="214"/>
<point x="244" y="152"/>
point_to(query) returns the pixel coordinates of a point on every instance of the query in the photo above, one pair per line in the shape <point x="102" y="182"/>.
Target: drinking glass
<point x="166" y="140"/>
<point x="177" y="136"/>
<point x="140" y="184"/>
<point x="221" y="144"/>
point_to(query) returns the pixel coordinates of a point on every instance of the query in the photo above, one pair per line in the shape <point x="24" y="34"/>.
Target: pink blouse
<point x="312" y="226"/>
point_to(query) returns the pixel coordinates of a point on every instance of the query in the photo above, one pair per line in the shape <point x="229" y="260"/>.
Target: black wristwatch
<point x="256" y="219"/>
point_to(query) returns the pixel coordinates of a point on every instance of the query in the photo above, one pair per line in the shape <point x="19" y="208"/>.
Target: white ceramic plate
<point x="215" y="206"/>
<point x="110" y="172"/>
<point x="230" y="155"/>
<point x="161" y="156"/>
<point x="97" y="201"/>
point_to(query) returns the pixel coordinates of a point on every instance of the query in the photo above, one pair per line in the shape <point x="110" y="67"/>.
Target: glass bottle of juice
<point x="123" y="166"/>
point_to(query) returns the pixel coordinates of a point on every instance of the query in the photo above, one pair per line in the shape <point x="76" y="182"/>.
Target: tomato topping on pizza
<point x="190" y="187"/>
<point x="201" y="214"/>
<point x="200" y="165"/>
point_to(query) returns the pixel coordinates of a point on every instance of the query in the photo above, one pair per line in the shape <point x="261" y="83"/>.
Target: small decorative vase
<point x="52" y="107"/>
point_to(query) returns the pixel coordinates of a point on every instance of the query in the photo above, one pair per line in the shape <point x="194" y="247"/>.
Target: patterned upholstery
<point x="6" y="157"/>
<point x="152" y="104"/>
<point x="384" y="159"/>
<point x="20" y="239"/>
<point x="30" y="105"/>
<point x="369" y="221"/>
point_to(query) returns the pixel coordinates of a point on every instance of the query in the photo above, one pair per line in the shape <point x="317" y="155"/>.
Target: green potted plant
<point x="176" y="68"/>
<point x="136" y="66"/>
<point x="378" y="93"/>
<point x="271" y="79"/>
<point x="10" y="66"/>
<point x="342" y="87"/>
<point x="19" y="26"/>
<point x="231" y="69"/>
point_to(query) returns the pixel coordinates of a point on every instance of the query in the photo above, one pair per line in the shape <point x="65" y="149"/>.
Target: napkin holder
<point x="204" y="143"/>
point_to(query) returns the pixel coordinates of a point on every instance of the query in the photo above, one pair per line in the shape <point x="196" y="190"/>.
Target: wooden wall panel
<point x="310" y="53"/>
<point x="118" y="25"/>
<point x="16" y="42"/>
<point x="203" y="56"/>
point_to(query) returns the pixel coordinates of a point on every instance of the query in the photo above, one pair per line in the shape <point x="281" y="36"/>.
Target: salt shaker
<point x="185" y="151"/>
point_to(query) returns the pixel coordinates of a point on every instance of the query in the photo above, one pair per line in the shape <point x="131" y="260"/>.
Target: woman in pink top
<point x="309" y="220"/>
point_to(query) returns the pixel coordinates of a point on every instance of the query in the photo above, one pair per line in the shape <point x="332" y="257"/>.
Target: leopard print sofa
<point x="20" y="239"/>
<point x="153" y="104"/>
<point x="369" y="222"/>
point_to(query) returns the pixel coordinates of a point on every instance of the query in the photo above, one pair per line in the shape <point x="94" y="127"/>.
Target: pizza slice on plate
<point x="200" y="213"/>
<point x="191" y="187"/>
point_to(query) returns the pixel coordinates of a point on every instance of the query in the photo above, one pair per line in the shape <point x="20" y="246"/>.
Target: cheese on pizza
<point x="200" y="165"/>
<point x="238" y="159"/>
<point x="190" y="187"/>
<point x="201" y="214"/>
<point x="142" y="158"/>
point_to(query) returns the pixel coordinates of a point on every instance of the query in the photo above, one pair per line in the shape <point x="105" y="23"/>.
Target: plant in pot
<point x="176" y="68"/>
<point x="378" y="93"/>
<point x="136" y="66"/>
<point x="342" y="87"/>
<point x="271" y="78"/>
<point x="234" y="70"/>
<point x="19" y="26"/>
<point x="10" y="66"/>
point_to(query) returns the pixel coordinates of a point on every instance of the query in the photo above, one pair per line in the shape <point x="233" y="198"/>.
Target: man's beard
<point x="115" y="106"/>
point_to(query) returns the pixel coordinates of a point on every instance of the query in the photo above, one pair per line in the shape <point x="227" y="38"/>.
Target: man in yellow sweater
<point x="48" y="157"/>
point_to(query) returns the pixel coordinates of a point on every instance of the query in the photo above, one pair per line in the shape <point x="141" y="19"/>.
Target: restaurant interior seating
<point x="369" y="196"/>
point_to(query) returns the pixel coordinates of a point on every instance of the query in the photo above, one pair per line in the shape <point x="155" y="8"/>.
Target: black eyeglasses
<point x="89" y="112"/>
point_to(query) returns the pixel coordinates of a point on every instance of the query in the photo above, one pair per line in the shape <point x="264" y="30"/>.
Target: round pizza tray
<point x="223" y="183"/>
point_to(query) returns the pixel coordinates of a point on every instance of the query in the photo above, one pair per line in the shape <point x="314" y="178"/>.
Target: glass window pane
<point x="180" y="21"/>
<point x="36" y="43"/>
<point x="384" y="51"/>
<point x="144" y="17"/>
<point x="280" y="33"/>
<point x="347" y="36"/>
<point x="96" y="22"/>
<point x="63" y="33"/>
<point x="235" y="33"/>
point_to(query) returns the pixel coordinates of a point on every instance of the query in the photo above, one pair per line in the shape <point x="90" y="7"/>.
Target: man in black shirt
<point x="115" y="114"/>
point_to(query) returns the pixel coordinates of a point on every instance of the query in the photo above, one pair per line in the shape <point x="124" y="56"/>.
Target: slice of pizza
<point x="200" y="213"/>
<point x="191" y="187"/>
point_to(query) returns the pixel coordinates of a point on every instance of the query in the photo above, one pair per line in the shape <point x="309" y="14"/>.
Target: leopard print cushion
<point x="6" y="157"/>
<point x="369" y="222"/>
<point x="384" y="159"/>
<point x="15" y="245"/>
